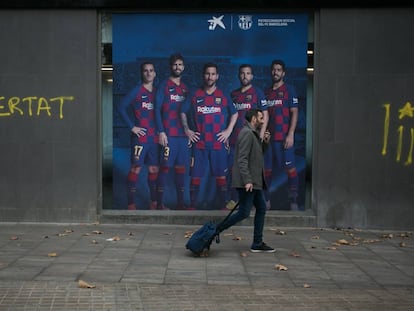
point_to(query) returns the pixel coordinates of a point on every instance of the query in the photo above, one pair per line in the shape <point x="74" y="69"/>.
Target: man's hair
<point x="254" y="112"/>
<point x="175" y="57"/>
<point x="208" y="65"/>
<point x="278" y="62"/>
<point x="246" y="66"/>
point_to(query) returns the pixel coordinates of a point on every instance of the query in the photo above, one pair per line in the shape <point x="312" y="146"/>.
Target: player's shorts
<point x="277" y="155"/>
<point x="216" y="159"/>
<point x="177" y="153"/>
<point x="147" y="154"/>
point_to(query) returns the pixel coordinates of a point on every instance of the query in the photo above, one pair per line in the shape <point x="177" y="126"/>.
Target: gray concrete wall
<point x="364" y="177"/>
<point x="48" y="116"/>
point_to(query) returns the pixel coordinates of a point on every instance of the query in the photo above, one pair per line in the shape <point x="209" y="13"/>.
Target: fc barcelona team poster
<point x="162" y="63"/>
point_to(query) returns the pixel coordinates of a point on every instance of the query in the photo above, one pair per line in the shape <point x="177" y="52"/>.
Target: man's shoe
<point x="262" y="248"/>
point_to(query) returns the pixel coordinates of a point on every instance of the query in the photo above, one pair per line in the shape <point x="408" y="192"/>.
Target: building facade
<point x="55" y="107"/>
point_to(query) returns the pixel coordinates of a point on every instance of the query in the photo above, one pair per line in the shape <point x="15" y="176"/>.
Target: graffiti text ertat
<point x="33" y="106"/>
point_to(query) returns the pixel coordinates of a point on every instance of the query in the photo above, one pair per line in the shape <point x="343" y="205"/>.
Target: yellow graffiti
<point x="386" y="128"/>
<point x="410" y="152"/>
<point x="33" y="105"/>
<point x="406" y="111"/>
<point x="399" y="146"/>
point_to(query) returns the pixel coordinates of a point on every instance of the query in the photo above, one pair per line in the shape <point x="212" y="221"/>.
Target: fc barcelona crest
<point x="245" y="22"/>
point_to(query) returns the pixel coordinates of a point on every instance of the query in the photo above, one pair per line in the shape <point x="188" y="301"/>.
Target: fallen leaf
<point x="387" y="236"/>
<point x="52" y="254"/>
<point x="204" y="253"/>
<point x="188" y="234"/>
<point x="331" y="248"/>
<point x="243" y="254"/>
<point x="315" y="237"/>
<point x="280" y="232"/>
<point x="97" y="232"/>
<point x="294" y="254"/>
<point x="94" y="242"/>
<point x="115" y="238"/>
<point x="372" y="241"/>
<point x="306" y="285"/>
<point x="14" y="237"/>
<point x="342" y="242"/>
<point x="402" y="244"/>
<point x="280" y="267"/>
<point x="404" y="235"/>
<point x="61" y="234"/>
<point x="83" y="284"/>
<point x="68" y="231"/>
<point x="237" y="238"/>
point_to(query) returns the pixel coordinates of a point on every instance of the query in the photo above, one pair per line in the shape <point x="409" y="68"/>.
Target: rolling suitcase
<point x="200" y="241"/>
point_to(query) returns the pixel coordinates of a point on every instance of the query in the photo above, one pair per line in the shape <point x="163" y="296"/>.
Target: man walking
<point x="248" y="178"/>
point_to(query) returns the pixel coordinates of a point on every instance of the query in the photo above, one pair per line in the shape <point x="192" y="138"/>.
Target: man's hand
<point x="163" y="139"/>
<point x="192" y="136"/>
<point x="139" y="131"/>
<point x="248" y="187"/>
<point x="223" y="136"/>
<point x="289" y="140"/>
<point x="266" y="137"/>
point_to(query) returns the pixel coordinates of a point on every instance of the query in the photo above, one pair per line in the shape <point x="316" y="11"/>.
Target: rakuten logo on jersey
<point x="274" y="102"/>
<point x="177" y="98"/>
<point x="243" y="106"/>
<point x="208" y="110"/>
<point x="148" y="106"/>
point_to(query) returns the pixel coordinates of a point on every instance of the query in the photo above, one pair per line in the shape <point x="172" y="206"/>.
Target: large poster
<point x="159" y="76"/>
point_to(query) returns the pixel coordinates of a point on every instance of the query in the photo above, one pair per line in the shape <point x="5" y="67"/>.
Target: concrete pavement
<point x="146" y="267"/>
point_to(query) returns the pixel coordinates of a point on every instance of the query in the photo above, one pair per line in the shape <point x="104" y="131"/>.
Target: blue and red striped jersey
<point x="279" y="102"/>
<point x="170" y="97"/>
<point x="211" y="114"/>
<point x="142" y="102"/>
<point x="253" y="98"/>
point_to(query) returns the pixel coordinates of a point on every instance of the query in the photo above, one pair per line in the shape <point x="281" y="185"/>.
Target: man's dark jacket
<point x="248" y="162"/>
